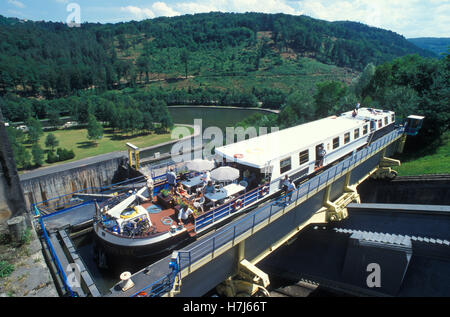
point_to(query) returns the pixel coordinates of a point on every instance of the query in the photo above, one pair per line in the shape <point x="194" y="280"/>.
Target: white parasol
<point x="199" y="165"/>
<point x="225" y="174"/>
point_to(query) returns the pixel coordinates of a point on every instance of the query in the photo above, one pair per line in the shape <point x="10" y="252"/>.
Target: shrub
<point x="5" y="269"/>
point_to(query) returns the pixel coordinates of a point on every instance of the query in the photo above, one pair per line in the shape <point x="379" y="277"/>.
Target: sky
<point x="410" y="18"/>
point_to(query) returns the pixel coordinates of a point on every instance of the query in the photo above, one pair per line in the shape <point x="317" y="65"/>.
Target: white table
<point x="195" y="181"/>
<point x="224" y="192"/>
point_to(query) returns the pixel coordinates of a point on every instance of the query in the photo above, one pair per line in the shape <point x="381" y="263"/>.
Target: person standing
<point x="171" y="179"/>
<point x="150" y="185"/>
<point x="291" y="188"/>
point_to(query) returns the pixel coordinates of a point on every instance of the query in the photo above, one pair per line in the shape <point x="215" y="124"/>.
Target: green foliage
<point x="34" y="129"/>
<point x="300" y="108"/>
<point x="26" y="237"/>
<point x="5" y="269"/>
<point x="38" y="154"/>
<point x="52" y="157"/>
<point x="54" y="117"/>
<point x="95" y="129"/>
<point x="21" y="155"/>
<point x="437" y="45"/>
<point x="51" y="141"/>
<point x="64" y="154"/>
<point x="40" y="59"/>
<point x="328" y="94"/>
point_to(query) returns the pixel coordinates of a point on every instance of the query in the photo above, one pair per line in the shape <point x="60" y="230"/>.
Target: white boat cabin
<point x="378" y="118"/>
<point x="300" y="150"/>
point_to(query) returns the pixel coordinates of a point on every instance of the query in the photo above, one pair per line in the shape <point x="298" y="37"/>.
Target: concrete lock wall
<point x="41" y="188"/>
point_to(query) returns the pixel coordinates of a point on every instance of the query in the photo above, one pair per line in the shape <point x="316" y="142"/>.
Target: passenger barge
<point x="138" y="225"/>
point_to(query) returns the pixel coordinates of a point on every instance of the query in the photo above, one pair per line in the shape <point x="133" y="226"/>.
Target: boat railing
<point x="229" y="208"/>
<point x="134" y="237"/>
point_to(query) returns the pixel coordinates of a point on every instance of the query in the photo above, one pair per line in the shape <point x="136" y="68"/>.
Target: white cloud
<point x="16" y="3"/>
<point x="412" y="18"/>
<point x="162" y="9"/>
<point x="157" y="9"/>
<point x="265" y="6"/>
<point x="139" y="13"/>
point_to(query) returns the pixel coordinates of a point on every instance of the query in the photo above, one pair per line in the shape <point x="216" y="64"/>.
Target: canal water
<point x="212" y="116"/>
<point x="221" y="117"/>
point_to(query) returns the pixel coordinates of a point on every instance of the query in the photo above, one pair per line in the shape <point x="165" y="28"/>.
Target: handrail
<point x="200" y="220"/>
<point x="55" y="259"/>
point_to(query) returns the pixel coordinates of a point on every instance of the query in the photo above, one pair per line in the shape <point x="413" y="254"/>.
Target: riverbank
<point x="227" y="107"/>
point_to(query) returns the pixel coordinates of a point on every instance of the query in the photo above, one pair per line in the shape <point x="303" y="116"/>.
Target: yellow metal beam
<point x="136" y="155"/>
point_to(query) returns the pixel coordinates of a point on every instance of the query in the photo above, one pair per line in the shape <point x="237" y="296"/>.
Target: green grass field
<point x="436" y="163"/>
<point x="76" y="140"/>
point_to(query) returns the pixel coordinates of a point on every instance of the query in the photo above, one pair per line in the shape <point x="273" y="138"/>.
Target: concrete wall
<point x="425" y="190"/>
<point x="64" y="181"/>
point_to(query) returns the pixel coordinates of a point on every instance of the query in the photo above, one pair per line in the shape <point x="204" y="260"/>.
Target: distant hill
<point x="437" y="45"/>
<point x="52" y="60"/>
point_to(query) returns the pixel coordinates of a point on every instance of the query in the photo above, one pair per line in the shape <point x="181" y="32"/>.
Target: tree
<point x="34" y="129"/>
<point x="51" y="141"/>
<point x="54" y="117"/>
<point x="361" y="84"/>
<point x="184" y="57"/>
<point x="95" y="129"/>
<point x="38" y="154"/>
<point x="328" y="95"/>
<point x="299" y="108"/>
<point x="21" y="155"/>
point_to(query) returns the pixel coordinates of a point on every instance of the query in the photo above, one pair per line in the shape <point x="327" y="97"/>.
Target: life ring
<point x="128" y="214"/>
<point x="263" y="191"/>
<point x="237" y="204"/>
<point x="238" y="156"/>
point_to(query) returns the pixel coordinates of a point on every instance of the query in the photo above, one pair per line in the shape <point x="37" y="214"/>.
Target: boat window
<point x="356" y="134"/>
<point x="365" y="129"/>
<point x="335" y="143"/>
<point x="393" y="118"/>
<point x="346" y="137"/>
<point x="380" y="123"/>
<point x="386" y="120"/>
<point x="304" y="157"/>
<point x="285" y="165"/>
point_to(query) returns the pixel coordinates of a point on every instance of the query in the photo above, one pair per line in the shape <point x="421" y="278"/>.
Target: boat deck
<point x="160" y="219"/>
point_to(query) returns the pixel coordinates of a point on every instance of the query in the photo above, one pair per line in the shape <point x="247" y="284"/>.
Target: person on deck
<point x="184" y="214"/>
<point x="209" y="188"/>
<point x="180" y="191"/>
<point x="290" y="190"/>
<point x="285" y="183"/>
<point x="320" y="155"/>
<point x="171" y="179"/>
<point x="150" y="185"/>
